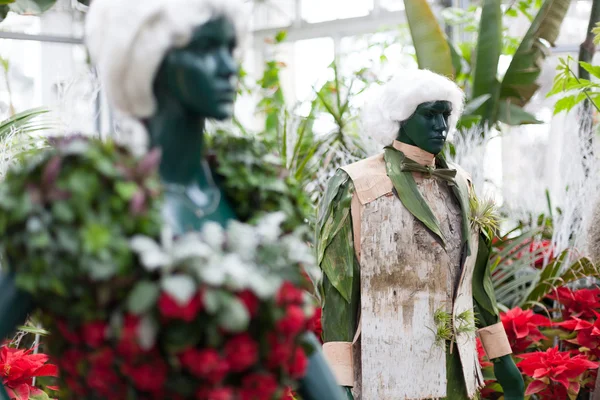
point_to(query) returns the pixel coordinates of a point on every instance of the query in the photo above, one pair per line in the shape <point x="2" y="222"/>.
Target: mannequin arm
<point x="340" y="288"/>
<point x="507" y="374"/>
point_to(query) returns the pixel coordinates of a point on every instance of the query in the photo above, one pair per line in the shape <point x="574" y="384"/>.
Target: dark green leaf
<point x="407" y="191"/>
<point x="488" y="50"/>
<point x="519" y="83"/>
<point x="513" y="115"/>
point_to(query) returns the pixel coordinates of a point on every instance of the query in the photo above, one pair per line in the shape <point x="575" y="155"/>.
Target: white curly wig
<point x="396" y="101"/>
<point x="128" y="39"/>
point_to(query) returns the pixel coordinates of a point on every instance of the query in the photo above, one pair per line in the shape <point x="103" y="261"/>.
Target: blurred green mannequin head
<point x="201" y="75"/>
<point x="427" y="128"/>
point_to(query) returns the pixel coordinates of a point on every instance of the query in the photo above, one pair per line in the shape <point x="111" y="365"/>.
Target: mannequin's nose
<point x="440" y="124"/>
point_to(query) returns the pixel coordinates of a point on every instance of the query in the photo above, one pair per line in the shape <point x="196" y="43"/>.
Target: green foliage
<point x="428" y="38"/>
<point x="61" y="209"/>
<point x="574" y="89"/>
<point x="255" y="179"/>
<point x="476" y="64"/>
<point x="484" y="215"/>
<point x="443" y="326"/>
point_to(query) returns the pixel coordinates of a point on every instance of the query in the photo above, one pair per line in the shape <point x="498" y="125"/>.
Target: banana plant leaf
<point x="518" y="83"/>
<point x="430" y="43"/>
<point x="513" y="115"/>
<point x="488" y="50"/>
<point x="335" y="243"/>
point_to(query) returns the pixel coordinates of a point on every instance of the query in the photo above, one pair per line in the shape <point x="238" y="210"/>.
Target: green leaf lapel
<point x="407" y="191"/>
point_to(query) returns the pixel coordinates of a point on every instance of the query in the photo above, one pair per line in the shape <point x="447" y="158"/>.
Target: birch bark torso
<point x="406" y="276"/>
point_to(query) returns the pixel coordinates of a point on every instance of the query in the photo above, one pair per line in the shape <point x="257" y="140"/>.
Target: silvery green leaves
<point x="240" y="257"/>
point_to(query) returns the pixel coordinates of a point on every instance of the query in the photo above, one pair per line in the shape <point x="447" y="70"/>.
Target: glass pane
<point x="56" y="76"/>
<point x="314" y="11"/>
<point x="574" y="27"/>
<point x="311" y="65"/>
<point x="273" y="13"/>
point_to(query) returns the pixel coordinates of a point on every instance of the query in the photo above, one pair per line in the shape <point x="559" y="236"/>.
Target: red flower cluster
<point x="522" y="328"/>
<point x="588" y="333"/>
<point x="555" y="374"/>
<point x="19" y="367"/>
<point x="545" y="250"/>
<point x="580" y="303"/>
<point x="110" y="361"/>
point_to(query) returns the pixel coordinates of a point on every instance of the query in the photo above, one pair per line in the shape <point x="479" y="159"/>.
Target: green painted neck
<point x="180" y="135"/>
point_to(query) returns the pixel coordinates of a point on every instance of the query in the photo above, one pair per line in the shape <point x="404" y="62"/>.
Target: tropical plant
<point x="29" y="7"/>
<point x="491" y="98"/>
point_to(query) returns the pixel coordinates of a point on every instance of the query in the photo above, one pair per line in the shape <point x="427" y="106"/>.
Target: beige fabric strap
<point x="494" y="341"/>
<point x="415" y="153"/>
<point x="370" y="179"/>
<point x="340" y="359"/>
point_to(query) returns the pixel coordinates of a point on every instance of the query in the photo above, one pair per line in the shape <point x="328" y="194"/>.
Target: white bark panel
<point x="406" y="275"/>
<point x="465" y="341"/>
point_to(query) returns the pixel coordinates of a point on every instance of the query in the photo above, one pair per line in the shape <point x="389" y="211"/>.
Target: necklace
<point x="201" y="202"/>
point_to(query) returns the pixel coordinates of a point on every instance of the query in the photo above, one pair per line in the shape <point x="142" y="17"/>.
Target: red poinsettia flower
<point x="588" y="333"/>
<point x="522" y="327"/>
<point x="481" y="355"/>
<point x="555" y="373"/>
<point x="19" y="367"/>
<point x="580" y="303"/>
<point x="545" y="249"/>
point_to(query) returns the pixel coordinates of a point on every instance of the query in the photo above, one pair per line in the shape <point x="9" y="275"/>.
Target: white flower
<point x="211" y="270"/>
<point x="213" y="235"/>
<point x="265" y="286"/>
<point x="189" y="246"/>
<point x="180" y="287"/>
<point x="238" y="272"/>
<point x="151" y="253"/>
<point x="242" y="239"/>
<point x="269" y="227"/>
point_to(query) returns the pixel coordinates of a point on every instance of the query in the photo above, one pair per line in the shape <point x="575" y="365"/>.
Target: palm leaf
<point x="431" y="47"/>
<point x="519" y="82"/>
<point x="23" y="122"/>
<point x="552" y="277"/>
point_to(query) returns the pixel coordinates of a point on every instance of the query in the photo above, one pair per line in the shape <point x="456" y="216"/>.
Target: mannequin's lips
<point x="225" y="95"/>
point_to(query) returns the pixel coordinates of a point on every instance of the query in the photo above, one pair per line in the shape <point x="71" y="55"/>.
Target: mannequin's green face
<point x="202" y="74"/>
<point x="427" y="128"/>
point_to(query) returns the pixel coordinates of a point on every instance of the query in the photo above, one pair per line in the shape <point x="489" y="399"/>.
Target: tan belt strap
<point x="340" y="359"/>
<point x="494" y="341"/>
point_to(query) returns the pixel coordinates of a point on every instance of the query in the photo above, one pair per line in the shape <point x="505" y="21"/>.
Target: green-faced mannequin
<point x="427" y="128"/>
<point x="194" y="83"/>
